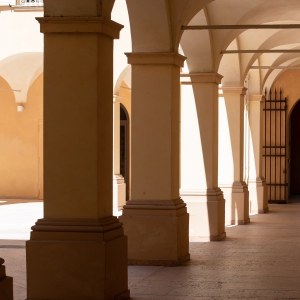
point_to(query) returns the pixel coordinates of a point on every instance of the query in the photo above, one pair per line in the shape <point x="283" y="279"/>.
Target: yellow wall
<point x="125" y="93"/>
<point x="19" y="142"/>
<point x="289" y="83"/>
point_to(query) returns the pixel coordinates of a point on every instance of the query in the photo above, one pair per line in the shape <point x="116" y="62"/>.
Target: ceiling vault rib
<point x="244" y="26"/>
<point x="261" y="51"/>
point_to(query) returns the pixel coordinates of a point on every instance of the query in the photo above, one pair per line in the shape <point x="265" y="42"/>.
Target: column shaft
<point x="155" y="218"/>
<point x="78" y="250"/>
<point x="204" y="198"/>
<point x="231" y="155"/>
<point x="256" y="183"/>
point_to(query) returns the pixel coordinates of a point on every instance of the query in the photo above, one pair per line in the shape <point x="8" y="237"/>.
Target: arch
<point x="124" y="76"/>
<point x="193" y="41"/>
<point x="156" y="25"/>
<point x="20" y="71"/>
<point x="230" y="67"/>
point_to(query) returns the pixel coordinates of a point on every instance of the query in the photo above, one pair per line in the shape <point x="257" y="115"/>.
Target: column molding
<point x="225" y="90"/>
<point x="159" y="58"/>
<point x="80" y="25"/>
<point x="259" y="98"/>
<point x="201" y="78"/>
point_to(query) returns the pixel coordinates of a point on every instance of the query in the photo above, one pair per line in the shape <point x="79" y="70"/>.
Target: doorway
<point x="295" y="151"/>
<point x="124" y="147"/>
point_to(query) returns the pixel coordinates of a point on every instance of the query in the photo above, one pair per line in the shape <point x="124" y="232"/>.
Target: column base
<point x="258" y="196"/>
<point x="157" y="232"/>
<point x="119" y="193"/>
<point x="207" y="214"/>
<point x="6" y="284"/>
<point x="77" y="259"/>
<point x="237" y="203"/>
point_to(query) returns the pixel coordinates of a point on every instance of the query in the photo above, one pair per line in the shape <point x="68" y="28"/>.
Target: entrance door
<point x="295" y="151"/>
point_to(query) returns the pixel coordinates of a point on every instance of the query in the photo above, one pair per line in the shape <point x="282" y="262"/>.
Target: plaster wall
<point x="20" y="33"/>
<point x="288" y="82"/>
<point x="19" y="139"/>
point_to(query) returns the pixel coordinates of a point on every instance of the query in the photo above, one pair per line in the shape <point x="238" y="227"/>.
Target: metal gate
<point x="275" y="149"/>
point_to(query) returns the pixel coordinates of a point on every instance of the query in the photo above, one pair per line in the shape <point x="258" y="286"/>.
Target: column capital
<point x="259" y="98"/>
<point x="100" y="25"/>
<point x="225" y="90"/>
<point x="202" y="78"/>
<point x="156" y="58"/>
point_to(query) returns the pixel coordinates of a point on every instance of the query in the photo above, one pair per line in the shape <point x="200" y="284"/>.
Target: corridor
<point x="260" y="260"/>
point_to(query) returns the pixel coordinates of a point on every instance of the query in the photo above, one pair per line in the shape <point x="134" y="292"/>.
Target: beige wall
<point x="19" y="142"/>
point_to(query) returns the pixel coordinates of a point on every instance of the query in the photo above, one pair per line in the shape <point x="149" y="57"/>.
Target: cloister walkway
<point x="260" y="260"/>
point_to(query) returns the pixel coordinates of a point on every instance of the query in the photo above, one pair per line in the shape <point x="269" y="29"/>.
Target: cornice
<point x="155" y="58"/>
<point x="80" y="25"/>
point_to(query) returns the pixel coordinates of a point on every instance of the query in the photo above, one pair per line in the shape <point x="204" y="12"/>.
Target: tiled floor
<point x="260" y="260"/>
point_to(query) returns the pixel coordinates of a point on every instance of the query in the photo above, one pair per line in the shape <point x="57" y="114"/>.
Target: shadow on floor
<point x="18" y="201"/>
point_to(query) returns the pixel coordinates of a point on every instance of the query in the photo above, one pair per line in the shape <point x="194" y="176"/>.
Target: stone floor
<point x="260" y="260"/>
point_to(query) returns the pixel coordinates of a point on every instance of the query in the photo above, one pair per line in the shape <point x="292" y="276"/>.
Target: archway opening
<point x="295" y="151"/>
<point x="124" y="147"/>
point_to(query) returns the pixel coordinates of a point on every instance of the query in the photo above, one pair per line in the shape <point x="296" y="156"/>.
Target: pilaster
<point x="231" y="154"/>
<point x="258" y="196"/>
<point x="155" y="218"/>
<point x="78" y="250"/>
<point x="199" y="155"/>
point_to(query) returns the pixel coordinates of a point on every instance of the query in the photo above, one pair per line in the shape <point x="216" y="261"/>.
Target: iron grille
<point x="275" y="150"/>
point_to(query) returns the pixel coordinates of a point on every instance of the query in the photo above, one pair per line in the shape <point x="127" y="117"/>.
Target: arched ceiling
<point x="203" y="48"/>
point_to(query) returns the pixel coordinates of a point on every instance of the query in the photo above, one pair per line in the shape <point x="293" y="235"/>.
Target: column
<point x="256" y="183"/>
<point x="6" y="283"/>
<point x="231" y="155"/>
<point x="199" y="156"/>
<point x="155" y="218"/>
<point x="78" y="250"/>
<point x="119" y="185"/>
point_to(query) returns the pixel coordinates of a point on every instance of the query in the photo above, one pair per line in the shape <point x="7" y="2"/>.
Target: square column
<point x="155" y="218"/>
<point x="78" y="250"/>
<point x="258" y="196"/>
<point x="231" y="154"/>
<point x="6" y="283"/>
<point x="199" y="156"/>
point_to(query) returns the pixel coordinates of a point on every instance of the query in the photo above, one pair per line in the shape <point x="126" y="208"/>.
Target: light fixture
<point x="20" y="107"/>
